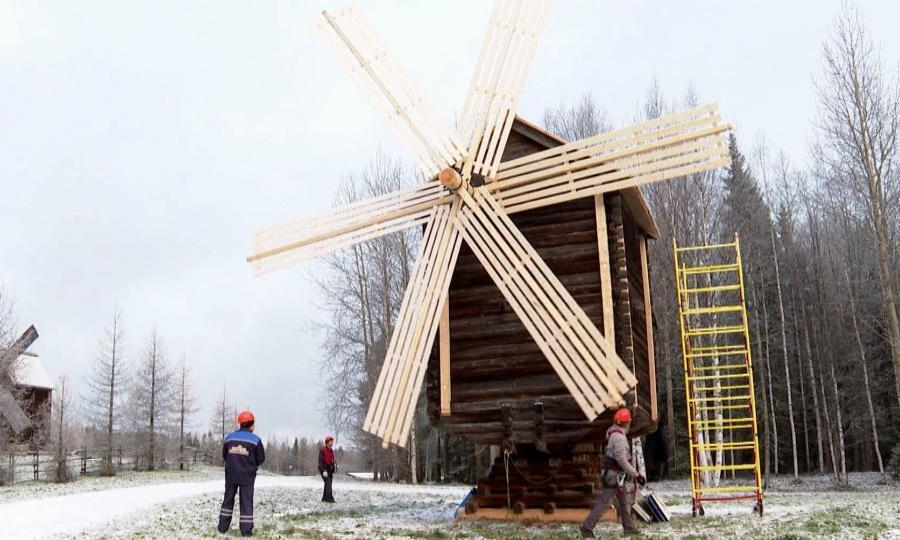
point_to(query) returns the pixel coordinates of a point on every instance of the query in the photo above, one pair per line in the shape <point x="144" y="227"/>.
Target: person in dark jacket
<point x="243" y="453"/>
<point x="327" y="466"/>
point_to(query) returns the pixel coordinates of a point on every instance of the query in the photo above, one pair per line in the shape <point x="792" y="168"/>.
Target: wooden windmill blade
<point x="592" y="372"/>
<point x="397" y="389"/>
<point x="506" y="54"/>
<point x="659" y="149"/>
<point x="281" y="245"/>
<point x="390" y="90"/>
<point x="10" y="407"/>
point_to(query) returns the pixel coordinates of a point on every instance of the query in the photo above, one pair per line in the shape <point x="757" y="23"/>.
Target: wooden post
<point x="605" y="276"/>
<point x="444" y="333"/>
<point x="648" y="313"/>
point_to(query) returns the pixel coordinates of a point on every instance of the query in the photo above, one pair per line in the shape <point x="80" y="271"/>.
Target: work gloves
<point x="325" y="475"/>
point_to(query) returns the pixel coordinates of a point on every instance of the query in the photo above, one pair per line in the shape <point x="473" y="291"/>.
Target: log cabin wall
<point x="497" y="373"/>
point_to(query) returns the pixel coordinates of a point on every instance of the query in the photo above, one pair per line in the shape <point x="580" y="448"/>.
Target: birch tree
<point x="859" y="109"/>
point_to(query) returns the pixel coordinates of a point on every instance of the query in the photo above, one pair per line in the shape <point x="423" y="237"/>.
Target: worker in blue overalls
<point x="243" y="453"/>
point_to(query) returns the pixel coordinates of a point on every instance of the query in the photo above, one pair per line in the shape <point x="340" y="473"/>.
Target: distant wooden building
<point x="504" y="392"/>
<point x="33" y="391"/>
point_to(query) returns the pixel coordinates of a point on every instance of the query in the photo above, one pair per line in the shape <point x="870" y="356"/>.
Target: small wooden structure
<point x="25" y="393"/>
<point x="502" y="391"/>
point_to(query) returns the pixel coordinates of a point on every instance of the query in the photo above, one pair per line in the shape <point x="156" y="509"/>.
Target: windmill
<point x="470" y="194"/>
<point x="10" y="408"/>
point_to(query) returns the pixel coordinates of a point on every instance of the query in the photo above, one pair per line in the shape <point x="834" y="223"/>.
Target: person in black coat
<point x="243" y="453"/>
<point x="327" y="466"/>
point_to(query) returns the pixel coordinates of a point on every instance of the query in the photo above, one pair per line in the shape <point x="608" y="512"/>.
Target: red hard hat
<point x="245" y="416"/>
<point x="328" y="438"/>
<point x="622" y="416"/>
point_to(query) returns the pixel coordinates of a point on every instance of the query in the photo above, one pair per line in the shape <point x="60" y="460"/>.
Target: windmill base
<point x="541" y="487"/>
<point x="534" y="515"/>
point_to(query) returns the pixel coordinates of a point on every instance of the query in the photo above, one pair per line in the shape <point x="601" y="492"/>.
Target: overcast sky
<point x="141" y="144"/>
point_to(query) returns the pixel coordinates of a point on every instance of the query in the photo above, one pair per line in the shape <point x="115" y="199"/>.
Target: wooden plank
<point x="529" y="287"/>
<point x="526" y="313"/>
<point x="605" y="271"/>
<point x="444" y="351"/>
<point x="305" y="238"/>
<point x="629" y="160"/>
<point x="659" y="124"/>
<point x="391" y="415"/>
<point x="439" y="287"/>
<point x="506" y="54"/>
<point x="628" y="180"/>
<point x="386" y="376"/>
<point x="648" y="310"/>
<point x="390" y="90"/>
<point x="596" y="337"/>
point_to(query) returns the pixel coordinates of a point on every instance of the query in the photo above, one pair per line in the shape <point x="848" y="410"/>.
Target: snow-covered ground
<point x="186" y="505"/>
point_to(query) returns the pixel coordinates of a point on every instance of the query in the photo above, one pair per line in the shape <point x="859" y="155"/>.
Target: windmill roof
<point x="30" y="372"/>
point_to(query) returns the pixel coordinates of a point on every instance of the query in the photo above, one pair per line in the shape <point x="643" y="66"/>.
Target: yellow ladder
<point x="718" y="374"/>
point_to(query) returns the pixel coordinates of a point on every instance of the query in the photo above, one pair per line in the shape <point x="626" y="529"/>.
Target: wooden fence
<point x="39" y="466"/>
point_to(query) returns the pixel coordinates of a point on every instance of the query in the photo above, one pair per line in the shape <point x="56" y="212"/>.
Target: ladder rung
<point x="723" y="407"/>
<point x="717" y="353"/>
<point x="712" y="330"/>
<point x="712" y="309"/>
<point x="718" y="377"/>
<point x="729" y="387"/>
<point x="718" y="348"/>
<point x="723" y="428"/>
<point x="724" y="398"/>
<point x="727" y="489"/>
<point x="709" y="269"/>
<point x="741" y="467"/>
<point x="723" y="421"/>
<point x="717" y="288"/>
<point x="726" y="446"/>
<point x="720" y="366"/>
<point x="708" y="246"/>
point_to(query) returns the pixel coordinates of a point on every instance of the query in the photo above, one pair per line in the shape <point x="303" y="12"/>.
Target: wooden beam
<point x="390" y="90"/>
<point x="609" y="330"/>
<point x="648" y="312"/>
<point x="500" y="72"/>
<point x="444" y="333"/>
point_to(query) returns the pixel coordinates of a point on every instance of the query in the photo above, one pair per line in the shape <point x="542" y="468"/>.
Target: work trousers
<point x="620" y="499"/>
<point x="246" y="506"/>
<point x="326" y="493"/>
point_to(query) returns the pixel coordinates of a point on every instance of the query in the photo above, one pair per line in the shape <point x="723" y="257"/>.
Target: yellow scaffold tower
<point x="718" y="374"/>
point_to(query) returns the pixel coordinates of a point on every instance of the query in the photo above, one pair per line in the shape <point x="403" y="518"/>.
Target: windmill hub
<point x="451" y="179"/>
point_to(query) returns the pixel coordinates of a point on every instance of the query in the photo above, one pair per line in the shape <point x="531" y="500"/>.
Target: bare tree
<point x="859" y="113"/>
<point x="224" y="414"/>
<point x="151" y="394"/>
<point x="63" y="406"/>
<point x="185" y="405"/>
<point x="106" y="383"/>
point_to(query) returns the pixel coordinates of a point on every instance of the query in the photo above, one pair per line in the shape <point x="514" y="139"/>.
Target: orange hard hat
<point x="622" y="416"/>
<point x="245" y="416"/>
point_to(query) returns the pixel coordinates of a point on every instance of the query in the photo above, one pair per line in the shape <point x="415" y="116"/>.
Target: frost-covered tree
<point x="106" y="385"/>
